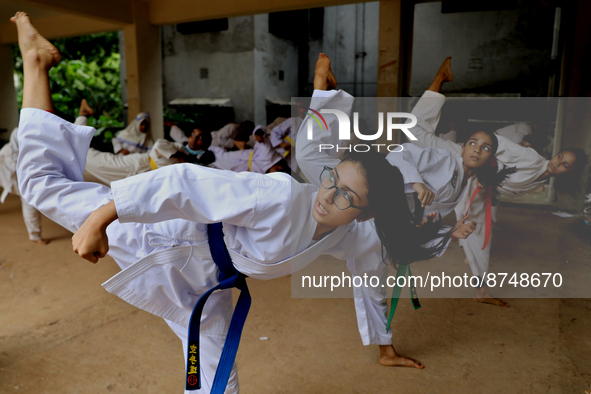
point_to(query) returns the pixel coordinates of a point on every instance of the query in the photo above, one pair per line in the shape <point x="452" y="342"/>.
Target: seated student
<point x="224" y="137"/>
<point x="283" y="136"/>
<point x="272" y="225"/>
<point x="8" y="181"/>
<point x="105" y="167"/>
<point x="135" y="138"/>
<point x="262" y="158"/>
<point x="195" y="150"/>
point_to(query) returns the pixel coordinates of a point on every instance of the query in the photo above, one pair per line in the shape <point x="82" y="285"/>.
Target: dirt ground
<point x="61" y="332"/>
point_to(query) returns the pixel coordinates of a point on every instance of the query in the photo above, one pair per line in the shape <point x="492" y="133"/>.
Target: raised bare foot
<point x="483" y="295"/>
<point x="40" y="241"/>
<point x="445" y="71"/>
<point x="35" y="49"/>
<point x="85" y="109"/>
<point x="443" y="75"/>
<point x="389" y="358"/>
<point x="323" y="77"/>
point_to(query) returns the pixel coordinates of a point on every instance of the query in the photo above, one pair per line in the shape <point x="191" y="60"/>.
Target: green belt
<point x="402" y="270"/>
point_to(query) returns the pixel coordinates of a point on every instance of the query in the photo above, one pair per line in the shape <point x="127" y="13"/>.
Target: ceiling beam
<point x="60" y="26"/>
<point x="114" y="11"/>
<point x="167" y="12"/>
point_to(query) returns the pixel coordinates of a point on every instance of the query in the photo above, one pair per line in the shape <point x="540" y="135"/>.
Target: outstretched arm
<point x="428" y="112"/>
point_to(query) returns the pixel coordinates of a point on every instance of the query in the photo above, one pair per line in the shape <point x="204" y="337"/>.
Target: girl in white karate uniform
<point x="438" y="176"/>
<point x="532" y="170"/>
<point x="272" y="224"/>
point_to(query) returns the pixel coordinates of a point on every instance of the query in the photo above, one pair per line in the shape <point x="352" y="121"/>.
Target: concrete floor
<point x="60" y="332"/>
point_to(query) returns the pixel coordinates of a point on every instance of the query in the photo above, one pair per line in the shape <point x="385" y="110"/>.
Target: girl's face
<point x="144" y="126"/>
<point x="349" y="179"/>
<point x="561" y="163"/>
<point x="196" y="140"/>
<point x="478" y="150"/>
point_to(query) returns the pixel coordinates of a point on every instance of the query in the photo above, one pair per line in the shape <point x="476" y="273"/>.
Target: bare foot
<point x="466" y="261"/>
<point x="445" y="71"/>
<point x="85" y="109"/>
<point x="34" y="47"/>
<point x="483" y="295"/>
<point x="40" y="241"/>
<point x="389" y="358"/>
<point x="323" y="77"/>
<point x="443" y="75"/>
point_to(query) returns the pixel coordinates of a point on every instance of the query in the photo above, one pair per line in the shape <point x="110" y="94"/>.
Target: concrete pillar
<point x="389" y="49"/>
<point x="8" y="104"/>
<point x="143" y="63"/>
<point x="577" y="86"/>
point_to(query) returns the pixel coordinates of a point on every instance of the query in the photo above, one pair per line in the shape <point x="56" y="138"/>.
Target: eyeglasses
<point x="342" y="200"/>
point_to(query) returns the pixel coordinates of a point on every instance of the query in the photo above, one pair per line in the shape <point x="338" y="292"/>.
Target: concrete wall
<point x="229" y="57"/>
<point x="244" y="62"/>
<point x="272" y="55"/>
<point x="351" y="41"/>
<point x="505" y="51"/>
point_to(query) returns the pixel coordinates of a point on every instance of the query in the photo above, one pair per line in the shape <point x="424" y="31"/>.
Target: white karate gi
<point x="163" y="150"/>
<point x="263" y="158"/>
<point x="8" y="181"/>
<point x="439" y="170"/>
<point x="224" y="137"/>
<point x="515" y="132"/>
<point x="287" y="128"/>
<point x="177" y="134"/>
<point x="451" y="135"/>
<point x="108" y="167"/>
<point x="167" y="266"/>
<point x="530" y="165"/>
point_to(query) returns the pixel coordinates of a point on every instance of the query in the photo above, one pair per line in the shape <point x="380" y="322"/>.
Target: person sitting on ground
<point x="262" y="158"/>
<point x="224" y="137"/>
<point x="106" y="167"/>
<point x="135" y="138"/>
<point x="195" y="150"/>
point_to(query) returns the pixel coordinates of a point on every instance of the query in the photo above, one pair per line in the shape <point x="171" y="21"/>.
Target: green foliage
<point x="89" y="70"/>
<point x="178" y="118"/>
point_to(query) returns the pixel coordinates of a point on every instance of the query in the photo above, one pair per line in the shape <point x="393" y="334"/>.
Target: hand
<point x="429" y="218"/>
<point x="90" y="241"/>
<point x="285" y="145"/>
<point x="240" y="144"/>
<point x="426" y="196"/>
<point x="123" y="152"/>
<point x="463" y="230"/>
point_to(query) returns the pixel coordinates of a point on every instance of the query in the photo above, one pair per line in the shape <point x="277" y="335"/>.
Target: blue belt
<point x="229" y="278"/>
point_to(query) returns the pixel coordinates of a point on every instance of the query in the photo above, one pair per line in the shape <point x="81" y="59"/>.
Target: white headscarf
<point x="132" y="136"/>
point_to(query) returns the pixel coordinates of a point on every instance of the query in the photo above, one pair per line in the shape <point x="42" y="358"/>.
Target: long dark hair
<point x="569" y="183"/>
<point x="402" y="240"/>
<point x="488" y="175"/>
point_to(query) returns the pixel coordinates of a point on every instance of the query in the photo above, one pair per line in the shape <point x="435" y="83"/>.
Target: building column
<point x="143" y="63"/>
<point x="8" y="104"/>
<point x="389" y="49"/>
